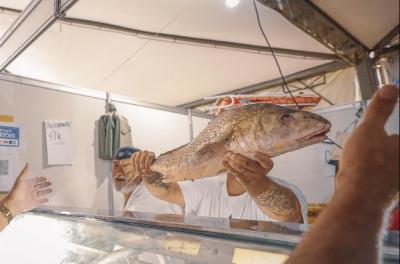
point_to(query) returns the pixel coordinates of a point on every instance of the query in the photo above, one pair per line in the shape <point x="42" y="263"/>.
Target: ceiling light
<point x="232" y="3"/>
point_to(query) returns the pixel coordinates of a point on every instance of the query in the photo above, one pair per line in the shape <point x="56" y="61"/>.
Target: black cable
<point x="285" y="85"/>
<point x="334" y="143"/>
<point x="273" y="55"/>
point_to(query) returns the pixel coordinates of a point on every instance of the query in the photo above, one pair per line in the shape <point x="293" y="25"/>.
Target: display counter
<point x="68" y="235"/>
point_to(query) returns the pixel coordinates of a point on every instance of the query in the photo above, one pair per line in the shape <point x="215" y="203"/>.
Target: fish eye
<point x="287" y="117"/>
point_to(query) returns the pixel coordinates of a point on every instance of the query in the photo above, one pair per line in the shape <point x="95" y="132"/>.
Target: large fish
<point x="266" y="128"/>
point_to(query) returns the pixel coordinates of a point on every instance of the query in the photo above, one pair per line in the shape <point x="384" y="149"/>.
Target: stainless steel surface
<point x="70" y="235"/>
<point x="63" y="237"/>
<point x="313" y="21"/>
<point x="246" y="230"/>
<point x="367" y="78"/>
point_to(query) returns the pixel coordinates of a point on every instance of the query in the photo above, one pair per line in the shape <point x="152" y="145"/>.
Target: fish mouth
<point x="317" y="136"/>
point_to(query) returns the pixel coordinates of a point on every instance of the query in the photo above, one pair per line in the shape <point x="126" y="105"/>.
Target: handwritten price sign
<point x="58" y="141"/>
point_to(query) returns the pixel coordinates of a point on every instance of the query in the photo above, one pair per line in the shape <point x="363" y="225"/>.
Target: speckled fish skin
<point x="266" y="128"/>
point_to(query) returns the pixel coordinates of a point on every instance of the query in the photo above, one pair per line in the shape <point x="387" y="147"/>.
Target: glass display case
<point x="66" y="235"/>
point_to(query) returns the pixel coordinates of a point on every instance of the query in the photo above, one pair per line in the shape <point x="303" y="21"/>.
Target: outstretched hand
<point x="369" y="166"/>
<point x="27" y="194"/>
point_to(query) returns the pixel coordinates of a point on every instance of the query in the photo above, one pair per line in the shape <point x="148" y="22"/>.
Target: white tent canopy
<point x="175" y="72"/>
<point x="368" y="21"/>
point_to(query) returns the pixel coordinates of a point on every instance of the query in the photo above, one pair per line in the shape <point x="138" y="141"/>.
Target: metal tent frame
<point x="39" y="15"/>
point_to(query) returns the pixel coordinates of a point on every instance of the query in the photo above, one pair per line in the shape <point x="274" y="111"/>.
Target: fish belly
<point x="190" y="168"/>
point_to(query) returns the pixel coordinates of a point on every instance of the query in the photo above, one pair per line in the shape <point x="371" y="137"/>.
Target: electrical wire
<point x="274" y="56"/>
<point x="334" y="143"/>
<point x="285" y="85"/>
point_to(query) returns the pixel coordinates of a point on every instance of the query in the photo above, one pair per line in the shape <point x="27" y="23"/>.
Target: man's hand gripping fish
<point x="266" y="128"/>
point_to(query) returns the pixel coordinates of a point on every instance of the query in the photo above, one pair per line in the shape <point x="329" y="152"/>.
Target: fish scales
<point x="266" y="128"/>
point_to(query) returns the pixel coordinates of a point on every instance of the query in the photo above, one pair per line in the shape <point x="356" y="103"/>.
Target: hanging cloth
<point x="125" y="136"/>
<point x="114" y="132"/>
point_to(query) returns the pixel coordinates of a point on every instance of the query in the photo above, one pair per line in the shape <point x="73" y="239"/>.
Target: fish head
<point x="282" y="129"/>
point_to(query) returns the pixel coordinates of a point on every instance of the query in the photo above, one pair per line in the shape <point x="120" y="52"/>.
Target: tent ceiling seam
<point x="186" y="40"/>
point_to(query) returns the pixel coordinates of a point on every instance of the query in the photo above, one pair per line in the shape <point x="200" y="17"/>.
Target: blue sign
<point x="9" y="136"/>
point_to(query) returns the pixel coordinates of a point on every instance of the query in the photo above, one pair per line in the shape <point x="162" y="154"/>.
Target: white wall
<point x="84" y="183"/>
<point x="74" y="185"/>
<point x="199" y="124"/>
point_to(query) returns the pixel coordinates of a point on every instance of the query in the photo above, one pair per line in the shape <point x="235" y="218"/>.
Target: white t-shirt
<point x="141" y="200"/>
<point x="209" y="197"/>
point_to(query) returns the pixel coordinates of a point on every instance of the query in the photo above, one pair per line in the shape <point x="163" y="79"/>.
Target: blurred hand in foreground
<point x="27" y="194"/>
<point x="369" y="166"/>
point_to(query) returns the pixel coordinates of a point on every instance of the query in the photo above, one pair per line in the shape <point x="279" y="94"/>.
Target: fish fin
<point x="211" y="151"/>
<point x="170" y="151"/>
<point x="218" y="130"/>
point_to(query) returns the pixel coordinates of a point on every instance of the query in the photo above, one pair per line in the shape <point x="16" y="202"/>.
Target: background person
<point x="136" y="195"/>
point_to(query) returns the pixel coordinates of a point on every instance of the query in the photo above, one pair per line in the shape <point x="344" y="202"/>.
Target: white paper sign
<point x="58" y="142"/>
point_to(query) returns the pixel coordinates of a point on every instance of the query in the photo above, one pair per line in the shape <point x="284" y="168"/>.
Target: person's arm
<point x="348" y="229"/>
<point x="276" y="201"/>
<point x="25" y="195"/>
<point x="169" y="192"/>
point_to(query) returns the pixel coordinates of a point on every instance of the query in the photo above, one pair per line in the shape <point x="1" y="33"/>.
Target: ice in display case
<point x="66" y="235"/>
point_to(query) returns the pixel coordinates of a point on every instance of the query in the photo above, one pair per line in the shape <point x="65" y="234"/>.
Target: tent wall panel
<point x="84" y="184"/>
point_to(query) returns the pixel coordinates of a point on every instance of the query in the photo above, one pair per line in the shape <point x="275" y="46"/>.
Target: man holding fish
<point x="242" y="192"/>
<point x="236" y="147"/>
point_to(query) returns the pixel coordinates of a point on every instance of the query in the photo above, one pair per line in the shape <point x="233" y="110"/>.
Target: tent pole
<point x="110" y="190"/>
<point x="110" y="193"/>
<point x="190" y="118"/>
